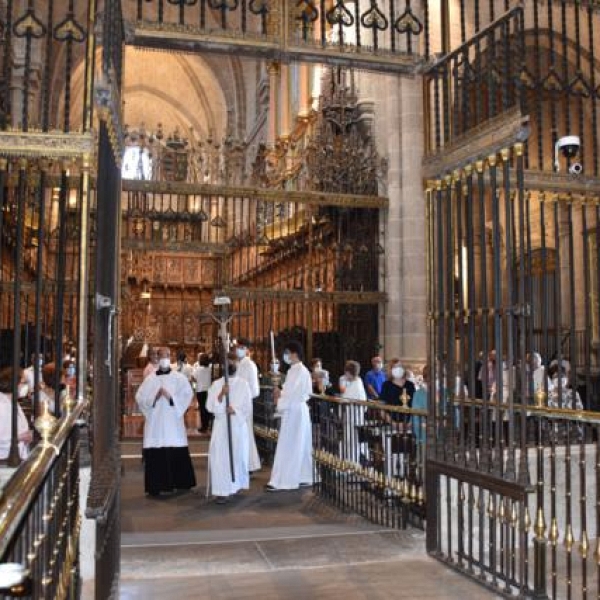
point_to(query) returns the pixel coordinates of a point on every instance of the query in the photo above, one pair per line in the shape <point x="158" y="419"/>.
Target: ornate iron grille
<point x="538" y="57"/>
<point x="44" y="42"/>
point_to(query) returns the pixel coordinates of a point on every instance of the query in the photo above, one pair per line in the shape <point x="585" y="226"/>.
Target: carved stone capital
<point x="54" y="145"/>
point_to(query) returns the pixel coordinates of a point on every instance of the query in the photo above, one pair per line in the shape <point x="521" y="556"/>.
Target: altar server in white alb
<point x="240" y="406"/>
<point x="163" y="398"/>
<point x="248" y="371"/>
<point x="293" y="465"/>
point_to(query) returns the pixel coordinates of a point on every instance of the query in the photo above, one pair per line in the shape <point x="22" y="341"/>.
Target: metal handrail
<point x="569" y="414"/>
<point x="372" y="404"/>
<point x="20" y="492"/>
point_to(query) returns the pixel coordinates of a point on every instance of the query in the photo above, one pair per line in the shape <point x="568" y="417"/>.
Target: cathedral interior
<point x="416" y="180"/>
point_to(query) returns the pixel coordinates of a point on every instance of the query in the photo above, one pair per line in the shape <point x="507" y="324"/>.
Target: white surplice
<point x="220" y="470"/>
<point x="293" y="462"/>
<point x="164" y="427"/>
<point x="248" y="371"/>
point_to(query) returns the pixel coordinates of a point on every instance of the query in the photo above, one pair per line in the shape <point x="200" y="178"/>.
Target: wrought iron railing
<point x="39" y="516"/>
<point x="369" y="458"/>
<point x="535" y="57"/>
<point x="380" y="26"/>
<point x="51" y="42"/>
<point x="513" y="279"/>
<point x="475" y="83"/>
<point x="536" y="536"/>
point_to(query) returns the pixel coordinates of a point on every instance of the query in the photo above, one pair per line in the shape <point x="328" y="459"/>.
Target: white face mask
<point x="287" y="359"/>
<point x="71" y="372"/>
<point x="41" y="362"/>
<point x="240" y="353"/>
<point x="397" y="372"/>
<point x="164" y="363"/>
<point x="23" y="390"/>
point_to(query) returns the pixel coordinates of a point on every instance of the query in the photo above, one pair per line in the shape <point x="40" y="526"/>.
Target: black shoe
<point x="271" y="488"/>
<point x="221" y="500"/>
<point x="305" y="484"/>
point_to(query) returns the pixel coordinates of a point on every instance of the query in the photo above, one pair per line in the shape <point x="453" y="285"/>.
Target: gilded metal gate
<point x="512" y="469"/>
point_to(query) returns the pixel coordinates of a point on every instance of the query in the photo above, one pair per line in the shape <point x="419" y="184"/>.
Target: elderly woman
<point x="24" y="434"/>
<point x="352" y="388"/>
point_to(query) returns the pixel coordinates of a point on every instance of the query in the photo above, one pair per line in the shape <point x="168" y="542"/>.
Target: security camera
<point x="576" y="169"/>
<point x="568" y="146"/>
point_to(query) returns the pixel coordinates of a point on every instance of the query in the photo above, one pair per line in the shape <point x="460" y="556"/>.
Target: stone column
<point x="405" y="329"/>
<point x="304" y="91"/>
<point x="284" y="102"/>
<point x="273" y="114"/>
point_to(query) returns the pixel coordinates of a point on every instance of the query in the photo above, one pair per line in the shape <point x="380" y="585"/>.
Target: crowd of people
<point x="225" y="407"/>
<point x="226" y="411"/>
<point x="41" y="387"/>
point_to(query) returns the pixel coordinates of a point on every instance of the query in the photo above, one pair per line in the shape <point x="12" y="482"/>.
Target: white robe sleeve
<point x="146" y="394"/>
<point x="297" y="388"/>
<point x="243" y="399"/>
<point x="253" y="383"/>
<point x="182" y="394"/>
<point x="212" y="401"/>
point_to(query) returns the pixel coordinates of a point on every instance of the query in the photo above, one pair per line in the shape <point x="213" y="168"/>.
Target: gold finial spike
<point x="514" y="517"/>
<point x="540" y="524"/>
<point x="569" y="539"/>
<point x="584" y="546"/>
<point x="45" y="424"/>
<point x="413" y="493"/>
<point x="597" y="552"/>
<point x="553" y="533"/>
<point x="502" y="512"/>
<point x="404" y="398"/>
<point x="421" y="495"/>
<point x="527" y="523"/>
<point x="462" y="493"/>
<point x="540" y="397"/>
<point x="490" y="507"/>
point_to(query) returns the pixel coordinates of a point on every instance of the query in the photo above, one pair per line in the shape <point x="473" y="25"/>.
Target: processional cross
<point x="222" y="316"/>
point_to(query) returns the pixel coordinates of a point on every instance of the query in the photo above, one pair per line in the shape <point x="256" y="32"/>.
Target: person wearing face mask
<point x="293" y="465"/>
<point x="395" y="386"/>
<point x="24" y="434"/>
<point x="240" y="407"/>
<point x="391" y="393"/>
<point x="69" y="376"/>
<point x="375" y="378"/>
<point x="163" y="398"/>
<point x="320" y="377"/>
<point x="248" y="371"/>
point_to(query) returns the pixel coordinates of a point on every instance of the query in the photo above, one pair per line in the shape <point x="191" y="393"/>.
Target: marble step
<point x="198" y="553"/>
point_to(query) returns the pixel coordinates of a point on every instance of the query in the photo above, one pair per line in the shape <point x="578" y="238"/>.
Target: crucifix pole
<point x="222" y="316"/>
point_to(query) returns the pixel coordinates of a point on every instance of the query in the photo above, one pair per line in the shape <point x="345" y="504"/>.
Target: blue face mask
<point x="287" y="359"/>
<point x="71" y="372"/>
